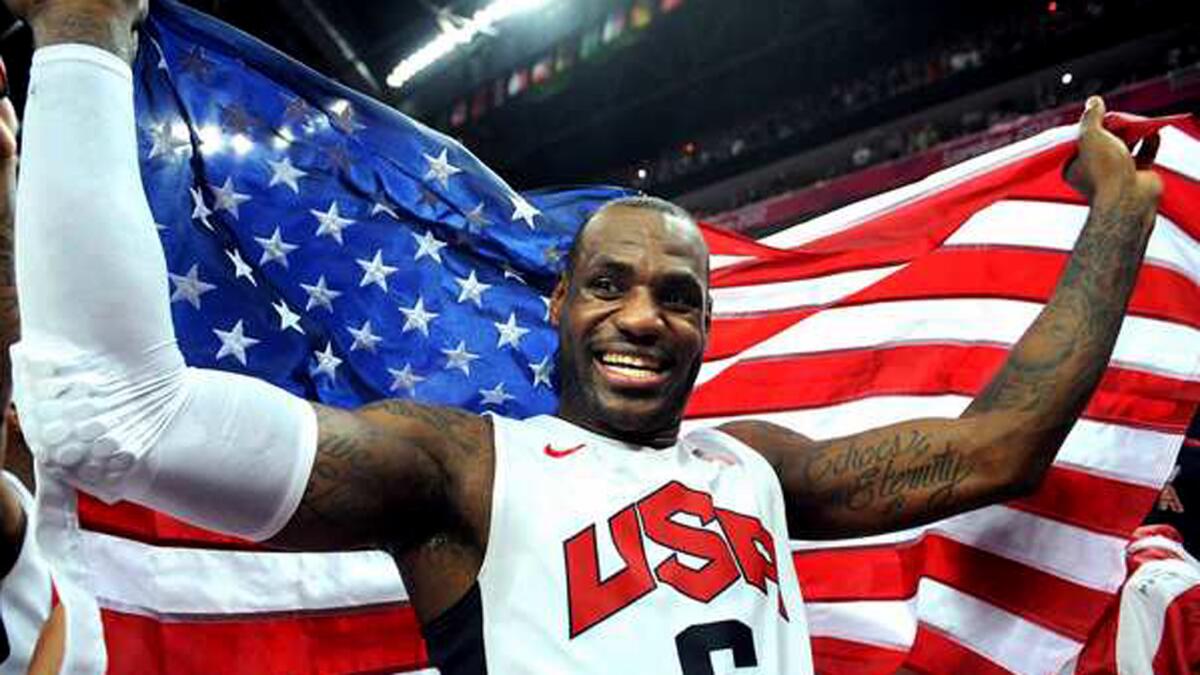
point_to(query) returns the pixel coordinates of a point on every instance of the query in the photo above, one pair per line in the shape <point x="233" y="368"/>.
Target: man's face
<point x="632" y="324"/>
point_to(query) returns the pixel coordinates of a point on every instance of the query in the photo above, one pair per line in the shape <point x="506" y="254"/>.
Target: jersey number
<point x="697" y="643"/>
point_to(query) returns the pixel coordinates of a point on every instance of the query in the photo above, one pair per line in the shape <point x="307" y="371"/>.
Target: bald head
<point x="641" y="210"/>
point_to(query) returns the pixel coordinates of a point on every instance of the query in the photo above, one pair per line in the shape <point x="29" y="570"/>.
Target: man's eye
<point x="681" y="298"/>
<point x="605" y="286"/>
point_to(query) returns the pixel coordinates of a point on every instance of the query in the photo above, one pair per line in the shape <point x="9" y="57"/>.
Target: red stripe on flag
<point x="725" y="242"/>
<point x="893" y="572"/>
<point x="1058" y="498"/>
<point x="131" y="521"/>
<point x="933" y="652"/>
<point x="962" y="272"/>
<point x="730" y="337"/>
<point x="352" y="641"/>
<point x="922" y="224"/>
<point x="1127" y="397"/>
<point x="831" y="655"/>
<point x="1023" y="274"/>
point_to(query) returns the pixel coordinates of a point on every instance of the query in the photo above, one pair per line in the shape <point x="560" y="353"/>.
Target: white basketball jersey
<point x="605" y="557"/>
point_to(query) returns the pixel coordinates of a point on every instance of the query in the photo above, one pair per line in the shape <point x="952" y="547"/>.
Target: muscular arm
<point x="1001" y="446"/>
<point x="391" y="475"/>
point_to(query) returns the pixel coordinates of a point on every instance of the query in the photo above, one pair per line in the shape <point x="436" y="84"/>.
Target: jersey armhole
<point x="501" y="427"/>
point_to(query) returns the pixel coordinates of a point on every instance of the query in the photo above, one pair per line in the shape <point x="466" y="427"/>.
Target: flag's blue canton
<point x="327" y="243"/>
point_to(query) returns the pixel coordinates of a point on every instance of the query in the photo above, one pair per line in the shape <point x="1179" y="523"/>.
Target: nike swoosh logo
<point x="559" y="454"/>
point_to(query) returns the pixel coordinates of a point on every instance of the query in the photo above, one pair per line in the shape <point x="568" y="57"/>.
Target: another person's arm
<point x="220" y="450"/>
<point x="1000" y="448"/>
<point x="12" y="516"/>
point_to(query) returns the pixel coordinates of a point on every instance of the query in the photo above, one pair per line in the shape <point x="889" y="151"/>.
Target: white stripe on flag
<point x="1179" y="152"/>
<point x="884" y="623"/>
<point x="855" y="214"/>
<point x="1086" y="558"/>
<point x="1147" y="344"/>
<point x="1056" y="226"/>
<point x="1002" y="637"/>
<point x="1129" y="454"/>
<point x="768" y="297"/>
<point x="160" y="581"/>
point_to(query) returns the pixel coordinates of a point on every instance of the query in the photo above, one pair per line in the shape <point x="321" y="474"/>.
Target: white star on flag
<point x="523" y="210"/>
<point x="282" y="172"/>
<point x="546" y="301"/>
<point x="496" y="396"/>
<point x="383" y="206"/>
<point x="331" y="223"/>
<point x="200" y="211"/>
<point x="164" y="141"/>
<point x="472" y="290"/>
<point x="416" y="318"/>
<point x="459" y="358"/>
<point x="241" y="269"/>
<point x="320" y="295"/>
<point x="405" y="379"/>
<point x="375" y="272"/>
<point x="327" y="363"/>
<point x="287" y="318"/>
<point x="226" y="198"/>
<point x="428" y="245"/>
<point x="235" y="342"/>
<point x="275" y="249"/>
<point x="541" y="372"/>
<point x="364" y="338"/>
<point x="342" y="116"/>
<point x="510" y="332"/>
<point x="476" y="221"/>
<point x="510" y="273"/>
<point x="189" y="287"/>
<point x="440" y="168"/>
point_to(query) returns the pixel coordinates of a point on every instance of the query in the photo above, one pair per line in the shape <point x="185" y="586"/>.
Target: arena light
<point x="453" y="37"/>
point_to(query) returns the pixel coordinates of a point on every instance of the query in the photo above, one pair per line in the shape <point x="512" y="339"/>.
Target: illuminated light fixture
<point x="454" y="36"/>
<point x="642" y="174"/>
<point x="1067" y="78"/>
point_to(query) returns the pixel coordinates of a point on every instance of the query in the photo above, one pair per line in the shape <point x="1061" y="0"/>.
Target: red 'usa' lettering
<point x="743" y="549"/>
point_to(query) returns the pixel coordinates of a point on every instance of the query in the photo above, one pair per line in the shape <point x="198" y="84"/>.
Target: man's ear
<point x="558" y="298"/>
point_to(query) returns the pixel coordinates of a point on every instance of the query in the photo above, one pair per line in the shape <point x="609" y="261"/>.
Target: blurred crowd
<point x="808" y="113"/>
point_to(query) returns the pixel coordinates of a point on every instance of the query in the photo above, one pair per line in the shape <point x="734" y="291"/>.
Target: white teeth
<point x="628" y="360"/>
<point x="633" y="373"/>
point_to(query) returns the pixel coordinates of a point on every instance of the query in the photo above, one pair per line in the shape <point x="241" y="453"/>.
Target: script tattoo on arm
<point x="1002" y="445"/>
<point x="389" y="475"/>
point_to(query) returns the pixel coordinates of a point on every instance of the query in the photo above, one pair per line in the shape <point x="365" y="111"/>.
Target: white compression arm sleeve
<point x="105" y="397"/>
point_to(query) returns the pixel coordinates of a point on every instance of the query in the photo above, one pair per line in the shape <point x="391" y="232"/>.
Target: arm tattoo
<point x="899" y="471"/>
<point x="376" y="481"/>
<point x="1053" y="370"/>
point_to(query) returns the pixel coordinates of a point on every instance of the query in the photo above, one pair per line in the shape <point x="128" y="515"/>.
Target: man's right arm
<point x="390" y="475"/>
<point x="108" y="403"/>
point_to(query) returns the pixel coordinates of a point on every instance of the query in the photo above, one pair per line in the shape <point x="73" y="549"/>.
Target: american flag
<point x="325" y="243"/>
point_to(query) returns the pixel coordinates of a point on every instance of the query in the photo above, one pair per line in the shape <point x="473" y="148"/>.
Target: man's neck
<point x="658" y="439"/>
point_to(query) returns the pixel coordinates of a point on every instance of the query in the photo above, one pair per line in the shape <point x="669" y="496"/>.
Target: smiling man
<point x="596" y="540"/>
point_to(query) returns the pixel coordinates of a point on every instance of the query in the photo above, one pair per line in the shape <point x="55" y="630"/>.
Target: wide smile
<point x="627" y="370"/>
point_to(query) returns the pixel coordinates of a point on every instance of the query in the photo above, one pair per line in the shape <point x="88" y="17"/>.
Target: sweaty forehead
<point x="625" y="232"/>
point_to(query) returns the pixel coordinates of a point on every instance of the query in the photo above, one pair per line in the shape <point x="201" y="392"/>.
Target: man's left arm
<point x="918" y="471"/>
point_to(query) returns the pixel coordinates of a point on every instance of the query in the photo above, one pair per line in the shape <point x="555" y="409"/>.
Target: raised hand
<point x="1105" y="167"/>
<point x="107" y="24"/>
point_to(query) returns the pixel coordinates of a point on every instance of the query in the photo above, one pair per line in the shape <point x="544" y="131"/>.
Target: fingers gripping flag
<point x="330" y="245"/>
